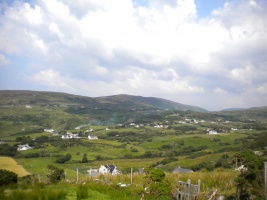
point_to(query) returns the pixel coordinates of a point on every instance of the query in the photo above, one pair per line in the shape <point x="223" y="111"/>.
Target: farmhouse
<point x="89" y="130"/>
<point x="49" y="130"/>
<point x="213" y="131"/>
<point x="92" y="137"/>
<point x="70" y="135"/>
<point x="108" y="169"/>
<point x="23" y="147"/>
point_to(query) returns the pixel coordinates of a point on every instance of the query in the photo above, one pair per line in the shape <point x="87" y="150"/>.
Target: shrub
<point x="7" y="177"/>
<point x="63" y="159"/>
<point x="54" y="174"/>
<point x="7" y="150"/>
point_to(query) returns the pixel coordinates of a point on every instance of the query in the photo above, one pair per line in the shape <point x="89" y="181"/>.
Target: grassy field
<point x="11" y="165"/>
<point x="114" y="152"/>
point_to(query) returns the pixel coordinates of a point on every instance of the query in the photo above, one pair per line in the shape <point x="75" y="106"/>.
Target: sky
<point x="206" y="53"/>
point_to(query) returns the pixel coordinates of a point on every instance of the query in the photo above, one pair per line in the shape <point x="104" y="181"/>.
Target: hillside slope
<point x="116" y="102"/>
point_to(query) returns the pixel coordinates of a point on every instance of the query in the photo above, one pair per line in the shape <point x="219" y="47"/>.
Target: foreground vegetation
<point x="108" y="188"/>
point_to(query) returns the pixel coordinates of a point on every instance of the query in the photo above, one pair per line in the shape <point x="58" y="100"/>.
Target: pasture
<point x="10" y="164"/>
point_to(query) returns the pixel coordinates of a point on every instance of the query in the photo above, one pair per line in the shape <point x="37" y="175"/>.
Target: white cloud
<point x="53" y="79"/>
<point x="262" y="88"/>
<point x="160" y="49"/>
<point x="3" y="60"/>
<point x="219" y="91"/>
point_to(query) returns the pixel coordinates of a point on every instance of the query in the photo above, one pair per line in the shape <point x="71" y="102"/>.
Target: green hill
<point x="116" y="102"/>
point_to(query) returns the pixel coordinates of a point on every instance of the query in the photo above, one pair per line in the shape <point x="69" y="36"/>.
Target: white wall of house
<point x="213" y="132"/>
<point x="103" y="170"/>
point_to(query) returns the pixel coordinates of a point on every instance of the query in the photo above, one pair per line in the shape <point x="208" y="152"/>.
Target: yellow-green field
<point x="11" y="165"/>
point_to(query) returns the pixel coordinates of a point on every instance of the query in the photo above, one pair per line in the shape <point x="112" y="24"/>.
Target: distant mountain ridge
<point x="115" y="102"/>
<point x="234" y="109"/>
<point x="244" y="109"/>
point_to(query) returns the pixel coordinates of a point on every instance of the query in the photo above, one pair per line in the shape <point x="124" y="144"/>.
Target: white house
<point x="213" y="131"/>
<point x="89" y="130"/>
<point x="49" y="130"/>
<point x="108" y="169"/>
<point x="65" y="137"/>
<point x="158" y="126"/>
<point x="92" y="137"/>
<point x="23" y="147"/>
<point x="70" y="135"/>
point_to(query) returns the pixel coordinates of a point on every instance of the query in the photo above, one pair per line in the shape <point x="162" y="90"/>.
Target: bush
<point x="204" y="165"/>
<point x="8" y="150"/>
<point x="32" y="155"/>
<point x="7" y="177"/>
<point x="63" y="159"/>
<point x="54" y="174"/>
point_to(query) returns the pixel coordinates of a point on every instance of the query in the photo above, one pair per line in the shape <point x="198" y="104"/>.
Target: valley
<point x="79" y="134"/>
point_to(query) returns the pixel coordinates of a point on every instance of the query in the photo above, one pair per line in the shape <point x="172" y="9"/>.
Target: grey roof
<point x="110" y="167"/>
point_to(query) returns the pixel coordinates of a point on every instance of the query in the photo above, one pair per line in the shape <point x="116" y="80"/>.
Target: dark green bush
<point x="7" y="177"/>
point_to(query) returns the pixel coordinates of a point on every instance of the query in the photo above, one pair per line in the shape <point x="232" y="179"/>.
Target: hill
<point x="115" y="103"/>
<point x="233" y="109"/>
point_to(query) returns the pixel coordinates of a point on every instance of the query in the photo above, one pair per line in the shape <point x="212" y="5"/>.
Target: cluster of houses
<point x="24" y="147"/>
<point x="70" y="135"/>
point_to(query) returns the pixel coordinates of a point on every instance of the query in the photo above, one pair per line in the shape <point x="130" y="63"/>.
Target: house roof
<point x="181" y="170"/>
<point x="110" y="167"/>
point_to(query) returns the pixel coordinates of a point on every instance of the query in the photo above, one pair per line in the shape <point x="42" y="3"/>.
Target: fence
<point x="187" y="191"/>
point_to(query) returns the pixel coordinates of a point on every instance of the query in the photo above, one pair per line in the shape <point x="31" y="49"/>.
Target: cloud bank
<point x="149" y="48"/>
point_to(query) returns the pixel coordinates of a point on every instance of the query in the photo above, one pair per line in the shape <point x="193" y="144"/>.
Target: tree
<point x="7" y="150"/>
<point x="63" y="159"/>
<point x="249" y="182"/>
<point x="54" y="174"/>
<point x="84" y="160"/>
<point x="7" y="177"/>
<point x="155" y="182"/>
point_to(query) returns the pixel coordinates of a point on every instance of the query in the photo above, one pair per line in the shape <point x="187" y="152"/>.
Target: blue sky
<point x="207" y="53"/>
<point x="204" y="7"/>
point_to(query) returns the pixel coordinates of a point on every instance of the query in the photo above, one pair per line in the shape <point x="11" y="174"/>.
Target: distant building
<point x="89" y="130"/>
<point x="213" y="132"/>
<point x="234" y="129"/>
<point x="49" y="130"/>
<point x="23" y="147"/>
<point x="92" y="137"/>
<point x="108" y="169"/>
<point x="70" y="135"/>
